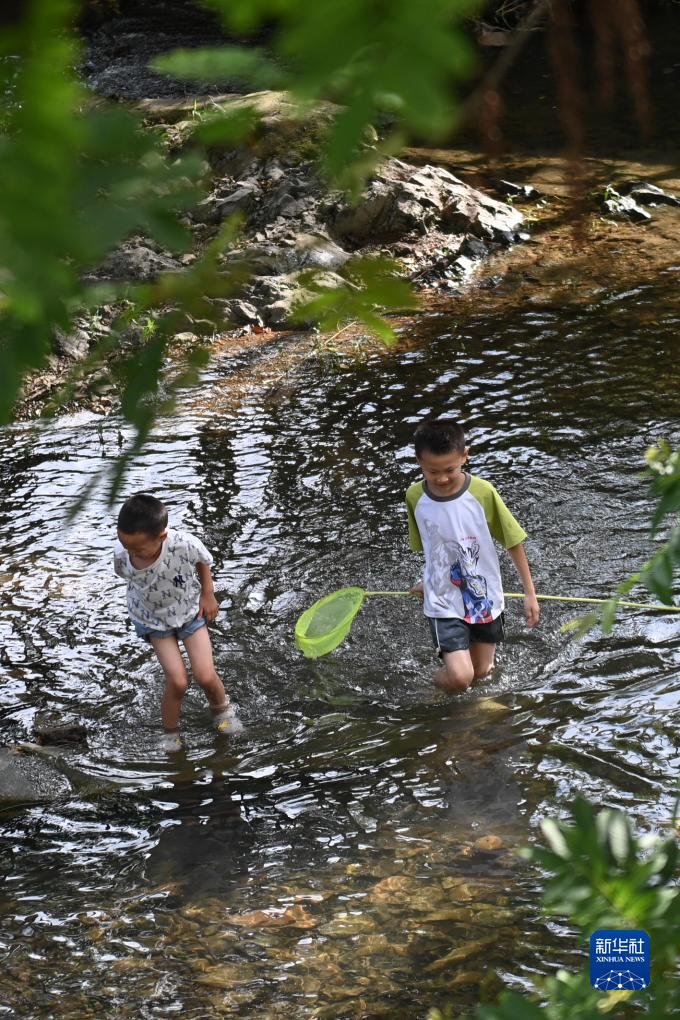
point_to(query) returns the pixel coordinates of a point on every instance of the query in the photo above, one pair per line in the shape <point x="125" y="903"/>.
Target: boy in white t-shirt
<point x="454" y="518"/>
<point x="171" y="598"/>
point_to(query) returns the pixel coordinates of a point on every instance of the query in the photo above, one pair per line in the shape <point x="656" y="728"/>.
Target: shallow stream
<point x="335" y="861"/>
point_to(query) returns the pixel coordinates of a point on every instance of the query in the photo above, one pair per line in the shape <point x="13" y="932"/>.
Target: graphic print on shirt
<point x="165" y="594"/>
<point x="438" y="565"/>
<point x="473" y="586"/>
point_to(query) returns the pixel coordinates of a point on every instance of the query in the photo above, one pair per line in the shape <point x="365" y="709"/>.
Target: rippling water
<point x="332" y="861"/>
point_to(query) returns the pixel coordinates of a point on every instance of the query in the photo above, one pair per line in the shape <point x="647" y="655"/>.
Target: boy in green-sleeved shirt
<point x="453" y="519"/>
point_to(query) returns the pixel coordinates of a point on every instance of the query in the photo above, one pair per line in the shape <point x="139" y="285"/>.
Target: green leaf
<point x="618" y="837"/>
<point x="221" y="64"/>
<point x="511" y="1006"/>
<point x="658" y="576"/>
<point x="230" y="127"/>
<point x="608" y="615"/>
<point x="580" y="625"/>
<point x="555" y="838"/>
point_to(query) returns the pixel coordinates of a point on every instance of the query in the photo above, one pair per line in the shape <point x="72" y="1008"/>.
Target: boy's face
<point x="443" y="472"/>
<point x="141" y="544"/>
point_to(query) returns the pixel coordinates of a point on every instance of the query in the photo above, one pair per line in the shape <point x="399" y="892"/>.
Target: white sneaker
<point x="227" y="721"/>
<point x="170" y="741"/>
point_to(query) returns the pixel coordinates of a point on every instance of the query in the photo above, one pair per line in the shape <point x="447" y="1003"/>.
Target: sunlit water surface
<point x="329" y="863"/>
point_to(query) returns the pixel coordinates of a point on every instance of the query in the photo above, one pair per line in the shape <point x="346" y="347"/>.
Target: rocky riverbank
<point x="441" y="218"/>
<point x="435" y="227"/>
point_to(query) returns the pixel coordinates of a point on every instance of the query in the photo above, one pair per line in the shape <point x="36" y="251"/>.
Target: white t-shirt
<point x="165" y="594"/>
<point x="462" y="577"/>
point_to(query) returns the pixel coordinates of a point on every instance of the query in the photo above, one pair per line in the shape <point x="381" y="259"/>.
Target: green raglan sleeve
<point x="413" y="494"/>
<point x="502" y="525"/>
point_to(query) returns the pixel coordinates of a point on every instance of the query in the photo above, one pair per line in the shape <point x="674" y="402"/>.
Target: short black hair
<point x="439" y="435"/>
<point x="142" y="512"/>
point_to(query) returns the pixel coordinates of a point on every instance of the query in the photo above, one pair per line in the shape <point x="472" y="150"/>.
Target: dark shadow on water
<point x="204" y="842"/>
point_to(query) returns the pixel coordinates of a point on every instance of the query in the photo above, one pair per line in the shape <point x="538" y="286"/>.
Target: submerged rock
<point x="54" y="728"/>
<point x="274" y="917"/>
<point x="28" y="780"/>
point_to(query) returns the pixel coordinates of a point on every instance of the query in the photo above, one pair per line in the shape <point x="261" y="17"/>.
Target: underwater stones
<point x="393" y="889"/>
<point x="491" y="916"/>
<point x="274" y="917"/>
<point x="347" y="925"/>
<point x="461" y="915"/>
<point x="226" y="975"/>
<point x="488" y="843"/>
<point x="466" y="951"/>
<point x="490" y="705"/>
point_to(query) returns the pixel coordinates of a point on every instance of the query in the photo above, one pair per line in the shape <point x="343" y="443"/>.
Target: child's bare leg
<point x="200" y="655"/>
<point x="176" y="679"/>
<point x="457" y="672"/>
<point x="483" y="656"/>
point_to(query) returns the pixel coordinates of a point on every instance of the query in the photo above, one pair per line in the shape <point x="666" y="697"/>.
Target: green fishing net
<point x="323" y="626"/>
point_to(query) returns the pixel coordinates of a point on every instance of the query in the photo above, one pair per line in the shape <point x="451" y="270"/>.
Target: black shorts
<point x="455" y="635"/>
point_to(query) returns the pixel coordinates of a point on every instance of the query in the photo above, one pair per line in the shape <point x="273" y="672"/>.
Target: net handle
<point x="657" y="607"/>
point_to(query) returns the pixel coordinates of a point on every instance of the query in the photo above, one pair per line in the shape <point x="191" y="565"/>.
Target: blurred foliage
<point x="400" y="59"/>
<point x="79" y="176"/>
<point x="76" y="181"/>
<point x="368" y="282"/>
<point x="601" y="875"/>
<point x="663" y="473"/>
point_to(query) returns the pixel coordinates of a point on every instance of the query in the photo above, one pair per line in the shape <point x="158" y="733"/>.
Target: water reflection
<point x="336" y="861"/>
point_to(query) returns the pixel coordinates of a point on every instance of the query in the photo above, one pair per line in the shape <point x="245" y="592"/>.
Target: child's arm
<point x="208" y="605"/>
<point x="531" y="607"/>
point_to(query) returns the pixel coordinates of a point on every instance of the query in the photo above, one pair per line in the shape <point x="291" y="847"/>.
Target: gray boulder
<point x="650" y="194"/>
<point x="623" y="207"/>
<point x="241" y="313"/>
<point x="304" y="251"/>
<point x="136" y="261"/>
<point x="279" y="297"/>
<point x="403" y="199"/>
<point x="223" y="203"/>
<point x="25" y="779"/>
<point x="74" y="346"/>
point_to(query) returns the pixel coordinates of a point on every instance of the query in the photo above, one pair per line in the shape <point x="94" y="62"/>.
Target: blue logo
<point x="619" y="959"/>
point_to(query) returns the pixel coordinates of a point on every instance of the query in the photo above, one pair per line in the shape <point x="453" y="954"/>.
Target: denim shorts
<point x="142" y="631"/>
<point x="456" y="635"/>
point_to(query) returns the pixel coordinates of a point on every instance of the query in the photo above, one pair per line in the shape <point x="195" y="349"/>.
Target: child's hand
<point x="208" y="606"/>
<point x="417" y="589"/>
<point x="531" y="610"/>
